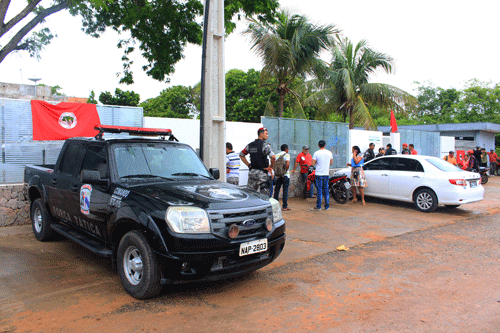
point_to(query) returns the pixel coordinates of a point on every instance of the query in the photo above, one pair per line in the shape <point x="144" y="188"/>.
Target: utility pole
<point x="213" y="98"/>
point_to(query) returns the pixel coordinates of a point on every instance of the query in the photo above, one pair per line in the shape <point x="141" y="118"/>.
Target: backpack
<point x="280" y="166"/>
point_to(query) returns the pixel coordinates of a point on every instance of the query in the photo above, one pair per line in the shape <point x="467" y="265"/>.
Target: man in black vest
<point x="369" y="153"/>
<point x="259" y="169"/>
<point x="390" y="150"/>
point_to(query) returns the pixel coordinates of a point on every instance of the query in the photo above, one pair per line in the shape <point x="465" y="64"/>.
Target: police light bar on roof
<point x="134" y="130"/>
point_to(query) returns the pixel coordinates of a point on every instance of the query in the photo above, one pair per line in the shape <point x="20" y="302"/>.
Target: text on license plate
<point x="253" y="247"/>
<point x="473" y="183"/>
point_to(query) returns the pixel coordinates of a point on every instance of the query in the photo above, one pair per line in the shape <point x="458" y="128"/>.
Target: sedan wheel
<point x="426" y="201"/>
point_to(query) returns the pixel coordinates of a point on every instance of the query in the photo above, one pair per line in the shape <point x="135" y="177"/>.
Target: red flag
<point x="394" y="125"/>
<point x="64" y="120"/>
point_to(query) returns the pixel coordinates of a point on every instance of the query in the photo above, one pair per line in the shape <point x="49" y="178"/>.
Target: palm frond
<point x="361" y="115"/>
<point x="387" y="96"/>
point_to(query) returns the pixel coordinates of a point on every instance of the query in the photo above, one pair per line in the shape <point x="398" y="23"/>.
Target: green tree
<point x="124" y="98"/>
<point x="157" y="29"/>
<point x="480" y="102"/>
<point x="344" y="87"/>
<point x="435" y="104"/>
<point x="289" y="48"/>
<point x="173" y="102"/>
<point x="245" y="99"/>
<point x="91" y="99"/>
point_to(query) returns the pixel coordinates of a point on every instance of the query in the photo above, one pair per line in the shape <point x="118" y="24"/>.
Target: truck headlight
<point x="277" y="215"/>
<point x="187" y="220"/>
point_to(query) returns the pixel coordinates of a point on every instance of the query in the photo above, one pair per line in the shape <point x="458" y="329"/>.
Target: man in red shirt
<point x="412" y="149"/>
<point x="493" y="162"/>
<point x="304" y="159"/>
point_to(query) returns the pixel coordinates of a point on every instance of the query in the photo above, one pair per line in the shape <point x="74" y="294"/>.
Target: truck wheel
<point x="426" y="201"/>
<point x="137" y="266"/>
<point x="40" y="221"/>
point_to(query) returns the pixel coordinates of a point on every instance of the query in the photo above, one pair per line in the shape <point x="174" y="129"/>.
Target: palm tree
<point x="289" y="48"/>
<point x="344" y="85"/>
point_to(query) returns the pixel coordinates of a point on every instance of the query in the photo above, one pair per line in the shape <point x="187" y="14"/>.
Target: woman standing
<point x="358" y="179"/>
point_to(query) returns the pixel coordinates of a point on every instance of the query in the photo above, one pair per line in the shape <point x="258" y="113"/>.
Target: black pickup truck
<point x="151" y="206"/>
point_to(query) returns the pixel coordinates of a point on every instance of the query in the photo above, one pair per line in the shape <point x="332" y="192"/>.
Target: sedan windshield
<point x="443" y="165"/>
<point x="156" y="160"/>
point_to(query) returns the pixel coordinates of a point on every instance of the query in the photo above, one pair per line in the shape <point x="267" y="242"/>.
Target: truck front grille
<point x="222" y="220"/>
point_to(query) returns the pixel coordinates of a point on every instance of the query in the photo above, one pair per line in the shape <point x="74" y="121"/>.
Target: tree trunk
<point x="281" y="105"/>
<point x="351" y="124"/>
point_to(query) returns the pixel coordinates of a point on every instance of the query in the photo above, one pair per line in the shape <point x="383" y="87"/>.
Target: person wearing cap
<point x="412" y="149"/>
<point x="390" y="150"/>
<point x="261" y="162"/>
<point x="450" y="158"/>
<point x="493" y="162"/>
<point x="405" y="150"/>
<point x="304" y="159"/>
<point x="381" y="152"/>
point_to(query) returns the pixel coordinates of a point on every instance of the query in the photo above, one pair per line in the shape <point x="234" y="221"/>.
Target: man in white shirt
<point x="232" y="165"/>
<point x="322" y="159"/>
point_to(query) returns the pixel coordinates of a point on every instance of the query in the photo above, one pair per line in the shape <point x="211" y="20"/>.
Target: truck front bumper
<point x="182" y="267"/>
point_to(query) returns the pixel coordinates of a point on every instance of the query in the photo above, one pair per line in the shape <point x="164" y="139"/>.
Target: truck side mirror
<point x="92" y="177"/>
<point x="214" y="172"/>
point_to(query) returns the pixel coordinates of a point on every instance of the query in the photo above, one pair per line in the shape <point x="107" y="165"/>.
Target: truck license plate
<point x="253" y="247"/>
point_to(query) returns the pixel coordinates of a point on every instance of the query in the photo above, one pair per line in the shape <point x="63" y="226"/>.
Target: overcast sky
<point x="442" y="41"/>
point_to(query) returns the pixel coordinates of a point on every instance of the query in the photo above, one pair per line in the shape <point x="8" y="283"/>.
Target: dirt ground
<point x="405" y="271"/>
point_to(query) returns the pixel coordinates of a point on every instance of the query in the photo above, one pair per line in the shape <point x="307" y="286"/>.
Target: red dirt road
<point x="405" y="272"/>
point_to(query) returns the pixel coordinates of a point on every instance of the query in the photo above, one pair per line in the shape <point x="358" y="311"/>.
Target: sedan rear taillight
<point x="460" y="182"/>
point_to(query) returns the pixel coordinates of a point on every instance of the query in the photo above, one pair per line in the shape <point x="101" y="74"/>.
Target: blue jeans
<point x="322" y="186"/>
<point x="285" y="181"/>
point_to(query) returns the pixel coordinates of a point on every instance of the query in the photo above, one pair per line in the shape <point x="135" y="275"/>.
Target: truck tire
<point x="137" y="266"/>
<point x="40" y="221"/>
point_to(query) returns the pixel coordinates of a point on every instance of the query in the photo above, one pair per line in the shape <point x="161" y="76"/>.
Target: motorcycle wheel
<point x="339" y="194"/>
<point x="484" y="178"/>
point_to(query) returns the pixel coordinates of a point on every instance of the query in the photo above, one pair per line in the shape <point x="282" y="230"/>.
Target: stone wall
<point x="27" y="91"/>
<point x="14" y="206"/>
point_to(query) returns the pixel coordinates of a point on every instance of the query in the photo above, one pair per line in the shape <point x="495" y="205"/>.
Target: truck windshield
<point x="164" y="161"/>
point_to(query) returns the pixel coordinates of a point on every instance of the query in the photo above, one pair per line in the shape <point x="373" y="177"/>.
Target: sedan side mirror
<point x="214" y="172"/>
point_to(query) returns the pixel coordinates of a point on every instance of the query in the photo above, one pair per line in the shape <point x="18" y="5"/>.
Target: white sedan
<point x="424" y="180"/>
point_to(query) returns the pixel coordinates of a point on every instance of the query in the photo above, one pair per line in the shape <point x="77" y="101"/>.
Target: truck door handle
<point x="54" y="180"/>
<point x="384" y="174"/>
<point x="416" y="176"/>
<point x="75" y="188"/>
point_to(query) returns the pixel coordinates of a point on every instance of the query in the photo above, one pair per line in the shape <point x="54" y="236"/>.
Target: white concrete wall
<point x="362" y="139"/>
<point x="188" y="131"/>
<point x="447" y="144"/>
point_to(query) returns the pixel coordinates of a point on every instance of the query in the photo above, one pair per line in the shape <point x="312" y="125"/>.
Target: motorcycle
<point x="484" y="174"/>
<point x="311" y="176"/>
<point x="340" y="188"/>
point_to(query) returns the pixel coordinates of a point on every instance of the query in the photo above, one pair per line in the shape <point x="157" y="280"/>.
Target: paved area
<point x="446" y="263"/>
